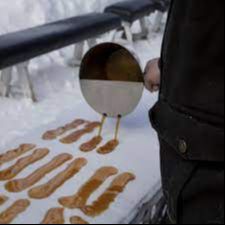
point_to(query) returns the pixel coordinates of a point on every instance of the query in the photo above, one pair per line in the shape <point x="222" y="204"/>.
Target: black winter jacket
<point x="189" y="115"/>
<point x="190" y="112"/>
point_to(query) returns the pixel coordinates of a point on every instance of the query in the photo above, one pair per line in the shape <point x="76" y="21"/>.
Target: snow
<point x="129" y="157"/>
<point x="60" y="100"/>
<point x="41" y="11"/>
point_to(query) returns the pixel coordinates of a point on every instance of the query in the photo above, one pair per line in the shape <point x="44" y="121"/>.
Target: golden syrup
<point x="77" y="220"/>
<point x="54" y="216"/>
<point x="15" y="153"/>
<point x="15" y="210"/>
<point x="109" y="196"/>
<point x="80" y="199"/>
<point x="76" y="135"/>
<point x="53" y="134"/>
<point x="22" y="164"/>
<point x="22" y="184"/>
<point x="46" y="190"/>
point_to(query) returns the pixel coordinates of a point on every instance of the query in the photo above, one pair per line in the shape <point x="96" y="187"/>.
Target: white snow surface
<point x="60" y="101"/>
<point x="20" y="14"/>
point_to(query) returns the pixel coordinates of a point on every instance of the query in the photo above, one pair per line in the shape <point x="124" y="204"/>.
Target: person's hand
<point x="152" y="75"/>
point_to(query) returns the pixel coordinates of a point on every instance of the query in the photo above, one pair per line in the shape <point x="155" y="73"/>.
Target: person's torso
<point x="193" y="59"/>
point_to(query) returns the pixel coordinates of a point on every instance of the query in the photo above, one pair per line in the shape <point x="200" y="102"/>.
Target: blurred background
<point x="54" y="81"/>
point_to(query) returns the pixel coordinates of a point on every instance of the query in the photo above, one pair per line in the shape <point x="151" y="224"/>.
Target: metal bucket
<point x="111" y="80"/>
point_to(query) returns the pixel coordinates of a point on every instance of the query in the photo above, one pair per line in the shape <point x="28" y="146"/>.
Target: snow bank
<point x="137" y="153"/>
<point x="20" y="14"/>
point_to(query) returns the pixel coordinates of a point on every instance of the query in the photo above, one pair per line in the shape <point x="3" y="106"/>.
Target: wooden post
<point x="26" y="83"/>
<point x="92" y="42"/>
<point x="5" y="80"/>
<point x="128" y="32"/>
<point x="144" y="30"/>
<point x="78" y="55"/>
<point x="158" y="21"/>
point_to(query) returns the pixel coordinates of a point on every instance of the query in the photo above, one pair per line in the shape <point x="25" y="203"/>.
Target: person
<point x="189" y="115"/>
